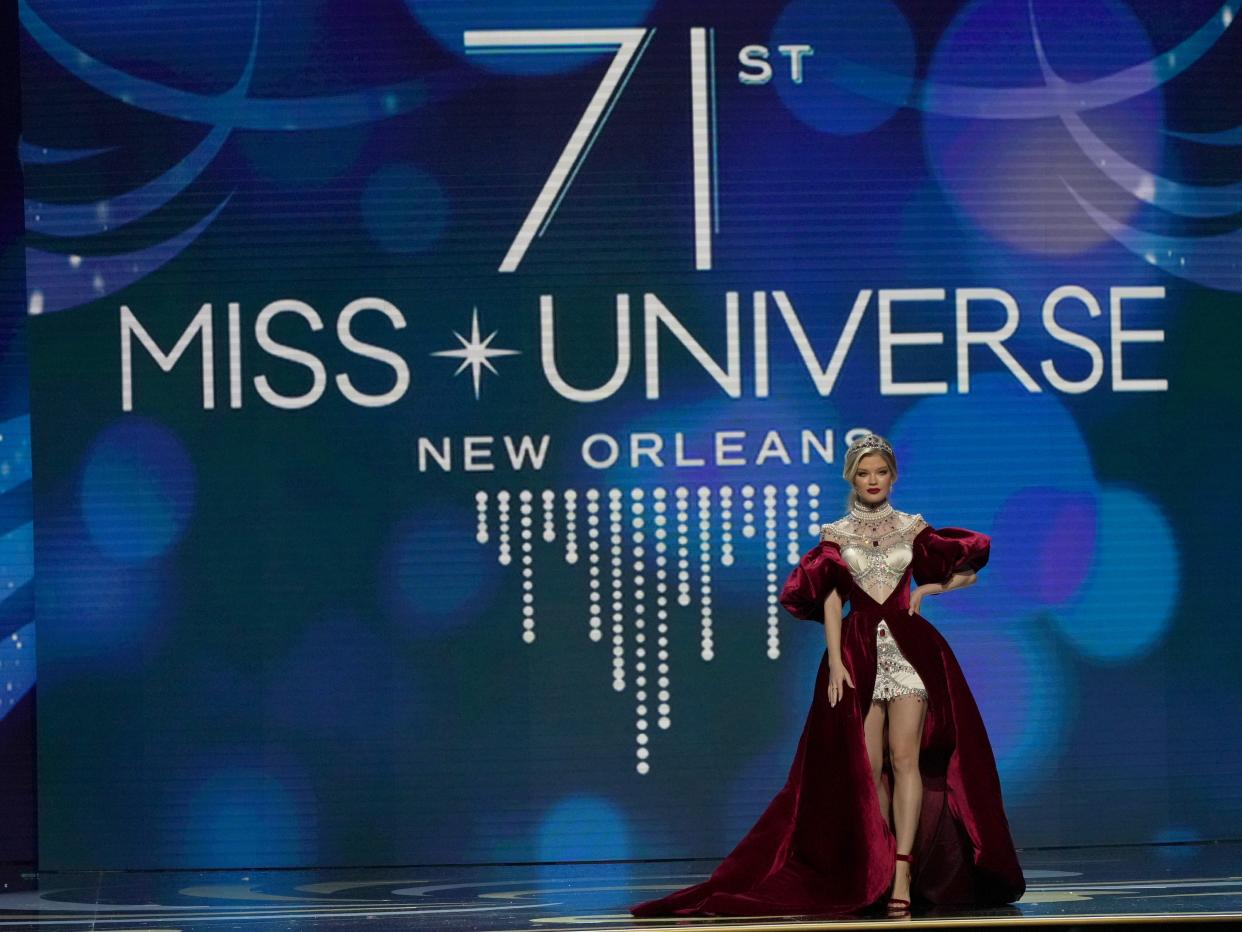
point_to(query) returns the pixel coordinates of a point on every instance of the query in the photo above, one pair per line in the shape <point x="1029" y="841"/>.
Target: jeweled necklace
<point x="872" y="514"/>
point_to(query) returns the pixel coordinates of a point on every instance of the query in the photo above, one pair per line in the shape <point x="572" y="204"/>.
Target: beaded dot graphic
<point x="504" y="555"/>
<point x="549" y="516"/>
<point x="707" y="644"/>
<point x="651" y="557"/>
<point x="748" y="511"/>
<point x="769" y="541"/>
<point x="812" y="504"/>
<point x="664" y="708"/>
<point x="726" y="525"/>
<point x="480" y="504"/>
<point x="638" y="563"/>
<point x="571" y="526"/>
<point x="618" y="590"/>
<point x="595" y="607"/>
<point x="792" y="551"/>
<point x="528" y="568"/>
<point x="683" y="551"/>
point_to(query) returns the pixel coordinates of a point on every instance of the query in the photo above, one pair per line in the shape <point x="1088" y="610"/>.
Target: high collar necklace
<point x="872" y="514"/>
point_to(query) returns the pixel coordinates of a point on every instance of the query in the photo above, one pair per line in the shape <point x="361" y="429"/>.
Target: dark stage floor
<point x="1147" y="885"/>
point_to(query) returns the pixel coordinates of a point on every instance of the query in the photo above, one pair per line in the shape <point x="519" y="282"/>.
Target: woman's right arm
<point x="832" y="626"/>
<point x="838" y="676"/>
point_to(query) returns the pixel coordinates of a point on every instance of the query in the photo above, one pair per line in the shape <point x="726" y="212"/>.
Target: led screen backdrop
<point x="17" y="656"/>
<point x="429" y="399"/>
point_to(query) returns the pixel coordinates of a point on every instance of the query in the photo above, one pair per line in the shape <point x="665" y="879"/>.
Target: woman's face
<point x="873" y="479"/>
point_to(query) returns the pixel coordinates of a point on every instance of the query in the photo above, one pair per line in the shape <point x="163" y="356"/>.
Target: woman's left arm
<point x="956" y="581"/>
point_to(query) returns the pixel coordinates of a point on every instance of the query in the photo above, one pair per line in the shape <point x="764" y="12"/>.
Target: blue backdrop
<point x="17" y="656"/>
<point x="428" y="400"/>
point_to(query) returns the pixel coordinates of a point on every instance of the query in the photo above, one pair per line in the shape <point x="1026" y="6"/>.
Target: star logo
<point x="476" y="352"/>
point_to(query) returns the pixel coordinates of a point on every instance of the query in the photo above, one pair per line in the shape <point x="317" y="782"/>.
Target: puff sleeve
<point x="939" y="553"/>
<point x="820" y="571"/>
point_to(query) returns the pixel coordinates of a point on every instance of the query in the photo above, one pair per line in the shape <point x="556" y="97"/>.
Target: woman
<point x="893" y="794"/>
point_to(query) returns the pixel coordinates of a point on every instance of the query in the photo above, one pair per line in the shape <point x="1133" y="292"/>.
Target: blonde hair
<point x="861" y="448"/>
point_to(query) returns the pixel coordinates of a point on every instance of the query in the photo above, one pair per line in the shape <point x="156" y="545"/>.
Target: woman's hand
<point x="916" y="597"/>
<point x="838" y="679"/>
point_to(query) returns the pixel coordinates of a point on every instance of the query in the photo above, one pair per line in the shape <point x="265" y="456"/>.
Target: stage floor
<point x="1154" y="884"/>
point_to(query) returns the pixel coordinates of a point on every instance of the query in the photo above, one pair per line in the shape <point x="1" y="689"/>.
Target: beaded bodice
<point x="877" y="548"/>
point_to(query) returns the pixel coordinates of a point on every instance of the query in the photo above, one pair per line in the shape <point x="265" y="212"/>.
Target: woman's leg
<point x="905" y="735"/>
<point x="873" y="731"/>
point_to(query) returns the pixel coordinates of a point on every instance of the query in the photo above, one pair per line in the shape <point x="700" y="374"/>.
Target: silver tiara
<point x="871" y="442"/>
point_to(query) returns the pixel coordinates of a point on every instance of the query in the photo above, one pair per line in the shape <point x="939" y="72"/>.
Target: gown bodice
<point x="877" y="551"/>
<point x="875" y="557"/>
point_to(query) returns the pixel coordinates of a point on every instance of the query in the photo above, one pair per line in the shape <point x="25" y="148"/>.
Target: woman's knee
<point x="904" y="757"/>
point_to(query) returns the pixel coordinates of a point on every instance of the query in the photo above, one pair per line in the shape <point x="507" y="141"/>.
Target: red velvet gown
<point x="822" y="846"/>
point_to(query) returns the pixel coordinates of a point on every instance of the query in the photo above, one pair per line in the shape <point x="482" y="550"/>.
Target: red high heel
<point x="897" y="906"/>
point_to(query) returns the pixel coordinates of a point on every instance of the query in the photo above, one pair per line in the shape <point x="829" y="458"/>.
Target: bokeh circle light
<point x="1012" y="177"/>
<point x="961" y="459"/>
<point x="404" y="209"/>
<point x="1023" y="691"/>
<point x="874" y="33"/>
<point x="1125" y="607"/>
<point x="239" y="801"/>
<point x="1048" y="539"/>
<point x="432" y="579"/>
<point x="583" y="828"/>
<point x="138" y="490"/>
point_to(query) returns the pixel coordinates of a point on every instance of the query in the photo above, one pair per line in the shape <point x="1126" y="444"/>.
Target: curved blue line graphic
<point x="349" y="109"/>
<point x="48" y="155"/>
<point x="14" y="454"/>
<point x="17" y="666"/>
<point x="55" y="282"/>
<point x="17" y="656"/>
<point x="1031" y="103"/>
<point x="16" y="559"/>
<point x="1184" y="200"/>
<point x="101" y="216"/>
<point x="1212" y="261"/>
<point x="1181" y="199"/>
<point x="1222" y="137"/>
